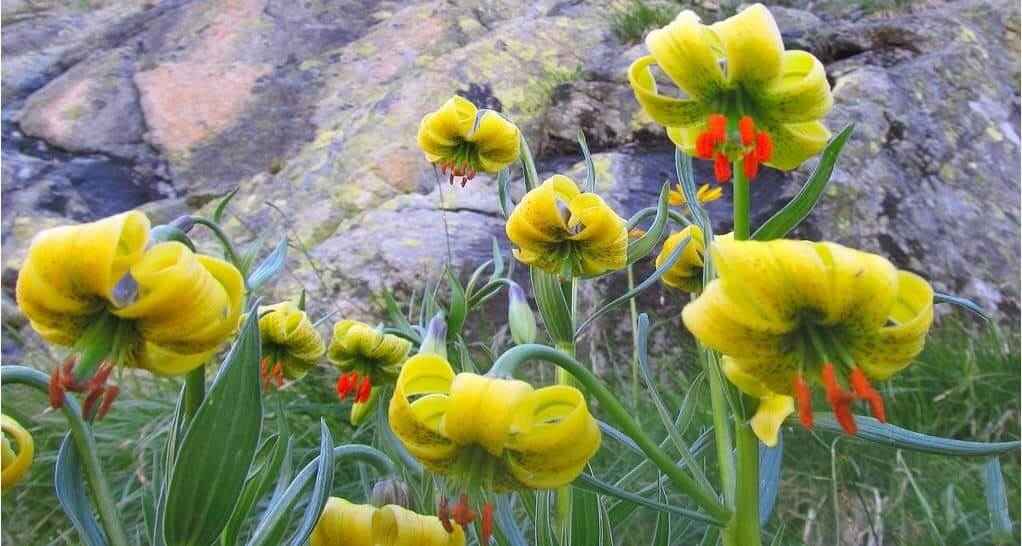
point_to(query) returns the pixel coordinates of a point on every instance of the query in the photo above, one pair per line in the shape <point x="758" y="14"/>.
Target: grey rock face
<point x="314" y="110"/>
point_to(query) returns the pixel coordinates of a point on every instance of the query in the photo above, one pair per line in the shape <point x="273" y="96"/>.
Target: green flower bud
<point x="520" y="317"/>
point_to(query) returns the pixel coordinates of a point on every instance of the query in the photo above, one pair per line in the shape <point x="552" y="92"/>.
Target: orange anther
<point x="747" y="129"/>
<point x="56" y="388"/>
<point x="444" y="514"/>
<point x="364" y="390"/>
<point x="463" y="513"/>
<point x="345" y="384"/>
<point x="839" y="400"/>
<point x="865" y="391"/>
<point x="704" y="145"/>
<point x="487" y="525"/>
<point x="721" y="168"/>
<point x="109" y="396"/>
<point x="764" y="147"/>
<point x="717" y="124"/>
<point x="750" y="165"/>
<point x="805" y="401"/>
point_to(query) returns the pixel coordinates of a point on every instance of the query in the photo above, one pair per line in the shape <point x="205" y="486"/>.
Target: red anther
<point x="444" y="514"/>
<point x="487" y="523"/>
<point x="345" y="383"/>
<point x="463" y="513"/>
<point x="721" y="168"/>
<point x="364" y="390"/>
<point x="839" y="400"/>
<point x="89" y="405"/>
<point x="277" y="374"/>
<point x="805" y="401"/>
<point x="99" y="380"/>
<point x="704" y="145"/>
<point x="56" y="388"/>
<point x="764" y="147"/>
<point x="747" y="128"/>
<point x="865" y="391"/>
<point x="750" y="165"/>
<point x="108" y="400"/>
<point x="717" y="127"/>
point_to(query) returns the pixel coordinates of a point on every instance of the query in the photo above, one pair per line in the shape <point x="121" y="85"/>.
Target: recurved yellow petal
<point x="70" y="271"/>
<point x="397" y="526"/>
<point x="794" y="143"/>
<point x="288" y="335"/>
<point x="481" y="410"/>
<point x="460" y="137"/>
<point x="15" y="463"/>
<point x="356" y="346"/>
<point x="687" y="51"/>
<point x="663" y="109"/>
<point x="801" y="93"/>
<point x="344" y="524"/>
<point x="442" y="131"/>
<point x="427" y="378"/>
<point x="497" y="140"/>
<point x="687" y="273"/>
<point x="896" y="345"/>
<point x="752" y="44"/>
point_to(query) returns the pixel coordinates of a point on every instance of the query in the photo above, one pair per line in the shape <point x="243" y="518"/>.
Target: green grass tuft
<point x="632" y="21"/>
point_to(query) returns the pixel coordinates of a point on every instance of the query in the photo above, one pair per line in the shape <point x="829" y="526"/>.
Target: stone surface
<point x="312" y="108"/>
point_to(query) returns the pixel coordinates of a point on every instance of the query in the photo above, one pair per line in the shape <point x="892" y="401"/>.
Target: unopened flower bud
<point x="435" y="341"/>
<point x="391" y="491"/>
<point x="520" y="317"/>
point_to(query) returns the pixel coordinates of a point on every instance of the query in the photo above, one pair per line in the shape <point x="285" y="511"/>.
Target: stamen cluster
<point x="353" y="383"/>
<point x="754" y="147"/>
<point x="63" y="380"/>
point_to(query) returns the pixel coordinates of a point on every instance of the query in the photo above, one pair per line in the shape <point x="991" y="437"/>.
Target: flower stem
<point x="86" y="446"/>
<point x="225" y="241"/>
<point x="634" y="314"/>
<point x="706" y="500"/>
<point x="744" y="529"/>
<point x="195" y="391"/>
<point x="563" y="502"/>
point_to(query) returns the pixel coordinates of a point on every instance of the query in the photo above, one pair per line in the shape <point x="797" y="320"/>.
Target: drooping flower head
<point x="345" y="524"/>
<point x="687" y="273"/>
<point x="789" y="313"/>
<point x="15" y="463"/>
<point x="462" y="140"/>
<point x="101" y="289"/>
<point x="745" y="97"/>
<point x="291" y="344"/>
<point x="490" y="434"/>
<point x="561" y="230"/>
<point x="366" y="358"/>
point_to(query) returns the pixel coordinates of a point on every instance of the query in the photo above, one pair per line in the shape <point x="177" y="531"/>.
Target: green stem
<point x="721" y="426"/>
<point x="195" y="391"/>
<point x="225" y="241"/>
<point x="741" y="202"/>
<point x="563" y="502"/>
<point x="510" y="360"/>
<point x="744" y="529"/>
<point x="634" y="314"/>
<point x="86" y="446"/>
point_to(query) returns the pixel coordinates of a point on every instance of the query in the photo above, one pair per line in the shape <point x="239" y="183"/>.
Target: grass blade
<point x="641" y="247"/>
<point x="997" y="500"/>
<point x="271" y="265"/>
<point x="965" y="303"/>
<point x="590" y="183"/>
<point x="770" y="463"/>
<point x="69" y="486"/>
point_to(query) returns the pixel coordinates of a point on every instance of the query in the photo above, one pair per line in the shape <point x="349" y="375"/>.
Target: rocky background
<point x="311" y="108"/>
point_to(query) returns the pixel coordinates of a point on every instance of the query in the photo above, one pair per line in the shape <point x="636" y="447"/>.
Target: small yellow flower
<point x="367" y="358"/>
<point x="345" y="524"/>
<point x="494" y="434"/>
<point x="168" y="308"/>
<point x="559" y="229"/>
<point x="289" y="341"/>
<point x="705" y="194"/>
<point x="15" y="464"/>
<point x="462" y="140"/>
<point x="733" y="70"/>
<point x="784" y="312"/>
<point x="687" y="273"/>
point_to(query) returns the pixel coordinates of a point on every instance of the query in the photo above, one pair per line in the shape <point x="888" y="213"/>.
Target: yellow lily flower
<point x="345" y="524"/>
<point x="15" y="465"/>
<point x="502" y="431"/>
<point x="786" y="311"/>
<point x="366" y="358"/>
<point x="589" y="239"/>
<point x="705" y="194"/>
<point x="291" y="344"/>
<point x="744" y="95"/>
<point x="166" y="308"/>
<point x="462" y="140"/>
<point x="687" y="273"/>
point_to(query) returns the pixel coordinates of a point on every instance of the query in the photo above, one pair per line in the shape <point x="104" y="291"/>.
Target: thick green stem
<point x="86" y="446"/>
<point x="741" y="202"/>
<point x="195" y="391"/>
<point x="706" y="500"/>
<point x="563" y="503"/>
<point x="721" y="426"/>
<point x="744" y="529"/>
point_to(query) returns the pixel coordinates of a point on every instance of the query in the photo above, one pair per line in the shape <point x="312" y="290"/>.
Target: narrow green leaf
<point x="217" y="449"/>
<point x="687" y="180"/>
<point x="592" y="483"/>
<point x="69" y="484"/>
<point x="876" y="432"/>
<point x="504" y="192"/>
<point x="643" y="246"/>
<point x="553" y="306"/>
<point x="477" y="274"/>
<point x="507" y="524"/>
<point x="321" y="491"/>
<point x="585" y="520"/>
<point x="459" y="306"/>
<point x="541" y="523"/>
<point x="271" y="265"/>
<point x="662" y="531"/>
<point x="789" y="217"/>
<point x="218" y="213"/>
<point x="770" y="462"/>
<point x="528" y="165"/>
<point x="965" y="303"/>
<point x="397" y="317"/>
<point x="645" y="284"/>
<point x="256" y="486"/>
<point x="498" y="261"/>
<point x="997" y="500"/>
<point x="252" y="250"/>
<point x="590" y="183"/>
<point x="488" y="290"/>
